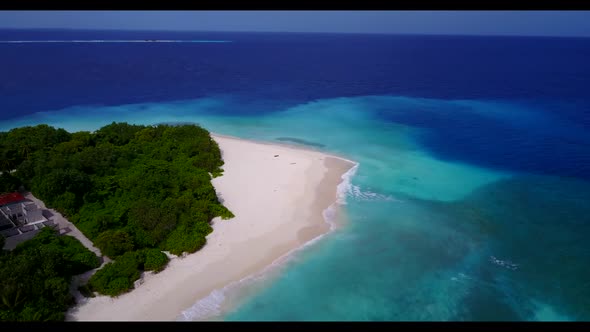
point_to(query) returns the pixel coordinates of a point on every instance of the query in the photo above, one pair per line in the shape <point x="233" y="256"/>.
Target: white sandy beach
<point x="278" y="203"/>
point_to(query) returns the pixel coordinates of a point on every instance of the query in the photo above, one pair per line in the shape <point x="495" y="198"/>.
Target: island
<point x="148" y="198"/>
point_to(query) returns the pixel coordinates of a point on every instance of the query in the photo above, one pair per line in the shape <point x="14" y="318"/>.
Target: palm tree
<point x="11" y="299"/>
<point x="25" y="150"/>
<point x="5" y="165"/>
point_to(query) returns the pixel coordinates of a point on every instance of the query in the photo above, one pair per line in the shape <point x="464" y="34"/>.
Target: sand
<point x="277" y="193"/>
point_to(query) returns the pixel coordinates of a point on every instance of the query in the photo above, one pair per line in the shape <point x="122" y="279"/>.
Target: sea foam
<point x="112" y="41"/>
<point x="211" y="306"/>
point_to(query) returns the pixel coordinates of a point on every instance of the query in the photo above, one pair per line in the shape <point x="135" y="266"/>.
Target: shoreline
<point x="213" y="306"/>
<point x="293" y="146"/>
<point x="279" y="194"/>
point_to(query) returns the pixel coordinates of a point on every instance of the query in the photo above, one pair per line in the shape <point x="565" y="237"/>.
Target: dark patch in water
<point x="300" y="141"/>
<point x="466" y="134"/>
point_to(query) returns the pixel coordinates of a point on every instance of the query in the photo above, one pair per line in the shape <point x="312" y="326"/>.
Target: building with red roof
<point x="11" y="198"/>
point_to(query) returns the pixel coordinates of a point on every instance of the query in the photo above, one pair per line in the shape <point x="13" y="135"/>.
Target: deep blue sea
<point x="471" y="200"/>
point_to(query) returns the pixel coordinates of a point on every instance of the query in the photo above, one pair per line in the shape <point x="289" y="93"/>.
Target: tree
<point x="150" y="222"/>
<point x="62" y="188"/>
<point x="117" y="133"/>
<point x="8" y="182"/>
<point x="126" y="187"/>
<point x="113" y="243"/>
<point x="19" y="144"/>
<point x="117" y="277"/>
<point x="155" y="260"/>
<point x="36" y="276"/>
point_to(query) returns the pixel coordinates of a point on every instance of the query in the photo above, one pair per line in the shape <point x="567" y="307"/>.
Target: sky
<point x="526" y="23"/>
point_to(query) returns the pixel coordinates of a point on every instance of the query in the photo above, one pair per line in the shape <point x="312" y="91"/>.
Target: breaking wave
<point x="504" y="263"/>
<point x="210" y="306"/>
<point x="113" y="41"/>
<point x="365" y="195"/>
<point x="343" y="188"/>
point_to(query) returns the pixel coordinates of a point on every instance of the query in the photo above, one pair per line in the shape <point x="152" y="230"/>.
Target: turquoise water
<point x="425" y="237"/>
<point x="470" y="201"/>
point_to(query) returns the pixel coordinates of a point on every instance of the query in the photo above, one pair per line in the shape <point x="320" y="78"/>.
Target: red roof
<point x="11" y="198"/>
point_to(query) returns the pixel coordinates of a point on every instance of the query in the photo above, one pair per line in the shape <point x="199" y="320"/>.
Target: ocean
<point x="471" y="198"/>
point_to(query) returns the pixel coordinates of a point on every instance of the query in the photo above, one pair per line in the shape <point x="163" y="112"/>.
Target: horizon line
<point x="98" y="41"/>
<point x="302" y="32"/>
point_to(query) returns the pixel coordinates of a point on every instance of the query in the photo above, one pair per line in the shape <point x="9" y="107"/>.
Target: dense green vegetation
<point x="128" y="188"/>
<point x="118" y="277"/>
<point x="35" y="276"/>
<point x="154" y="260"/>
<point x="18" y="144"/>
<point x="8" y="183"/>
